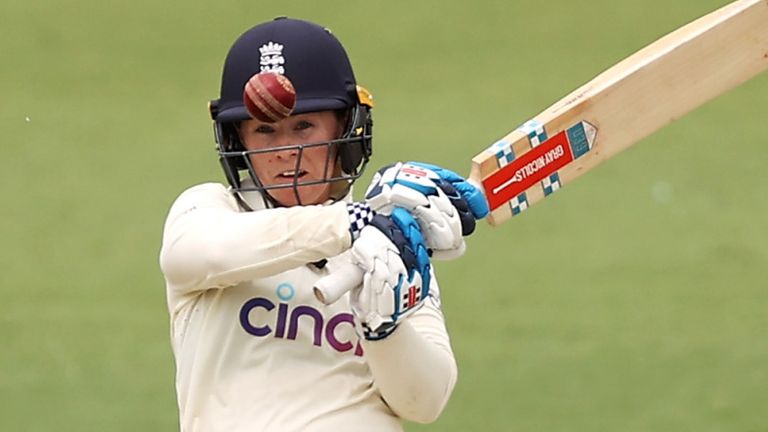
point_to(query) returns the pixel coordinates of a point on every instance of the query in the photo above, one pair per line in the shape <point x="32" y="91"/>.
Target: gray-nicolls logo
<point x="272" y="59"/>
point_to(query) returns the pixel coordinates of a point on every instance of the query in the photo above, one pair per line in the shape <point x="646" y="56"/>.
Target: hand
<point x="445" y="205"/>
<point x="396" y="273"/>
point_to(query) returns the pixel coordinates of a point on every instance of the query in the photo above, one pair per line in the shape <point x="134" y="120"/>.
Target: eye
<point x="303" y="124"/>
<point x="264" y="129"/>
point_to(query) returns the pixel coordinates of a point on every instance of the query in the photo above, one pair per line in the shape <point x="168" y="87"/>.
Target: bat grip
<point x="330" y="288"/>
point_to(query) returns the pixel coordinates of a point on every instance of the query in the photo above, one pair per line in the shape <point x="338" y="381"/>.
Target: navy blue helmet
<point x="317" y="65"/>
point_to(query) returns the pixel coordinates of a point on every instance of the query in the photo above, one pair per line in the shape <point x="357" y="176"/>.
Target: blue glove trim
<point x="478" y="205"/>
<point x="396" y="235"/>
<point x="404" y="232"/>
<point x="412" y="232"/>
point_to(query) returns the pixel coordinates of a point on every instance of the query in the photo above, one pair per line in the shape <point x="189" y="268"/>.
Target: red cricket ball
<point x="269" y="97"/>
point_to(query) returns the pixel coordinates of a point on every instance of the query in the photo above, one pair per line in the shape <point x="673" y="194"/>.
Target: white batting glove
<point x="444" y="204"/>
<point x="394" y="259"/>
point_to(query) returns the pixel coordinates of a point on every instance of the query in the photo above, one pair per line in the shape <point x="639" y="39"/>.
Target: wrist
<point x="380" y="333"/>
<point x="360" y="215"/>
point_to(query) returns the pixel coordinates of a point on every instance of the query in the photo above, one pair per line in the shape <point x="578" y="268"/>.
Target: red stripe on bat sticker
<point x="532" y="167"/>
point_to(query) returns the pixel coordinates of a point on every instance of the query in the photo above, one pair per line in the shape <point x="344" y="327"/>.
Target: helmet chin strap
<point x="241" y="202"/>
<point x="268" y="200"/>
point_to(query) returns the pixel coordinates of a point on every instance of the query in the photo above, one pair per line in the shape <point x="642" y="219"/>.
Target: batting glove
<point x="396" y="273"/>
<point x="445" y="205"/>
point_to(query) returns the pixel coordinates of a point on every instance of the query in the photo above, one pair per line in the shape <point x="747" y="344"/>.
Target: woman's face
<point x="280" y="166"/>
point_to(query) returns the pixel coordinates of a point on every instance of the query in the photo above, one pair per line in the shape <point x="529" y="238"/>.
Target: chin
<point x="314" y="194"/>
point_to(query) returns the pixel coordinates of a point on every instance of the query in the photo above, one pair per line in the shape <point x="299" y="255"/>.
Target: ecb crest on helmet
<point x="272" y="59"/>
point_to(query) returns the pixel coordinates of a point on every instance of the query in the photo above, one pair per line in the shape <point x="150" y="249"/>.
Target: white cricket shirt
<point x="254" y="349"/>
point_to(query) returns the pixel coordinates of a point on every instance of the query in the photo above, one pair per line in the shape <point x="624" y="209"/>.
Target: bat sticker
<point x="540" y="164"/>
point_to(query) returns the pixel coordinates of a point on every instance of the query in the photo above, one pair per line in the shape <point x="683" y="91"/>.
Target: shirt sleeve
<point x="414" y="368"/>
<point x="208" y="242"/>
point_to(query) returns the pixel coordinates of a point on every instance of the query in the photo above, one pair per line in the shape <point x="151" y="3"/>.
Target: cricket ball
<point x="269" y="97"/>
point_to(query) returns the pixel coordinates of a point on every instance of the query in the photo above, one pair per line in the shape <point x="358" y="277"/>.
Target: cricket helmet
<point x="317" y="65"/>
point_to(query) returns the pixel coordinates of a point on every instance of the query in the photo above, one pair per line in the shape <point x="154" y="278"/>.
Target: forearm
<point x="206" y="245"/>
<point x="414" y="368"/>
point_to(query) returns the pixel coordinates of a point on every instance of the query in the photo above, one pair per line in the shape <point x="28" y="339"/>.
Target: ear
<point x="342" y="121"/>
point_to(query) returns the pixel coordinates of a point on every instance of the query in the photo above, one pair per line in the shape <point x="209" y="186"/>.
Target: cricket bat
<point x="634" y="98"/>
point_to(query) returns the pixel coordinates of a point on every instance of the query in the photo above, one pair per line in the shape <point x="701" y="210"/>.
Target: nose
<point x="287" y="153"/>
<point x="285" y="141"/>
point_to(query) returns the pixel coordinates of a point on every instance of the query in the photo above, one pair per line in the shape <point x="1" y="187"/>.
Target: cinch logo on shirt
<point x="287" y="321"/>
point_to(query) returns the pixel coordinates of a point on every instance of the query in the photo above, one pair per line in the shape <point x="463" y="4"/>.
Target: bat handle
<point x="478" y="185"/>
<point x="330" y="288"/>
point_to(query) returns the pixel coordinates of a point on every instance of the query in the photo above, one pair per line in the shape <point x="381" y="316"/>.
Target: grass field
<point x="634" y="300"/>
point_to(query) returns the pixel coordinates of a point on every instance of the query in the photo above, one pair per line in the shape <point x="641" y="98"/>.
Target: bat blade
<point x="648" y="90"/>
<point x="653" y="87"/>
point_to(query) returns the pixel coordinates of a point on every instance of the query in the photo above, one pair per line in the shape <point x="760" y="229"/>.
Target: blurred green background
<point x="635" y="300"/>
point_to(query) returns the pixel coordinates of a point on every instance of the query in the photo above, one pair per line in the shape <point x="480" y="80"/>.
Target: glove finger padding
<point x="472" y="195"/>
<point x="460" y="204"/>
<point x="393" y="256"/>
<point x="440" y="223"/>
<point x="417" y="190"/>
<point x="383" y="270"/>
<point x="404" y="232"/>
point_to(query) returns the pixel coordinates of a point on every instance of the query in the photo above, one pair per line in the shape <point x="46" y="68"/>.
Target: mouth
<point x="291" y="174"/>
